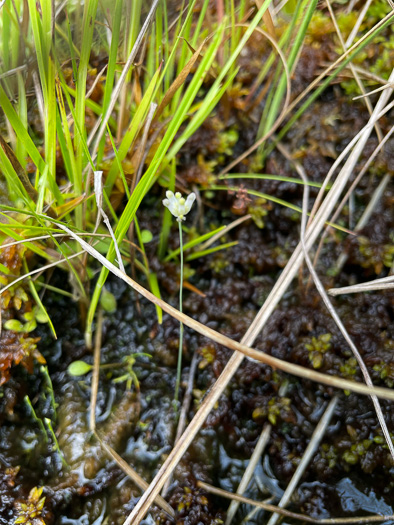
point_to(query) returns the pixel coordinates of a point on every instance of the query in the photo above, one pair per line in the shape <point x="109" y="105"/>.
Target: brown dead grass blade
<point x="133" y="475"/>
<point x="179" y="81"/>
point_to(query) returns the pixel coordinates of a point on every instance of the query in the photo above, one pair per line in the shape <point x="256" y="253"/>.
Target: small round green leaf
<point x="13" y="324"/>
<point x="79" y="368"/>
<point x="30" y="326"/>
<point x="146" y="236"/>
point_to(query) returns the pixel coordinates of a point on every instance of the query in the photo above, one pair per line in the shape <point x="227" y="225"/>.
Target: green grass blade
<point x="21" y="131"/>
<point x="111" y="69"/>
<point x="38" y="301"/>
<point x="197" y="255"/>
<point x="279" y="90"/>
<point x="325" y="83"/>
<point x="276" y="200"/>
<point x="167" y="217"/>
<point x="271" y="177"/>
<point x="155" y="289"/>
<point x="132" y="131"/>
<point x="193" y="243"/>
<point x="89" y="16"/>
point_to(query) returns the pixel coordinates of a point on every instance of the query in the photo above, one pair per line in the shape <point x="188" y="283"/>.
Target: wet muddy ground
<point x="351" y="472"/>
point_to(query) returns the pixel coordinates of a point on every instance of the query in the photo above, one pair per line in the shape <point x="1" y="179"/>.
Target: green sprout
<point x="179" y="207"/>
<point x="55" y="445"/>
<point x="81" y="368"/>
<point x="37" y="419"/>
<point x="130" y="376"/>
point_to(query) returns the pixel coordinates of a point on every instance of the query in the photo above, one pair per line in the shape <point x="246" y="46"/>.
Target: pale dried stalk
<point x="98" y="190"/>
<point x="368" y="210"/>
<point x="306" y="458"/>
<point x="345" y="152"/>
<point x="224" y="231"/>
<point x="187" y="399"/>
<point x="307" y="90"/>
<point x="247" y="476"/>
<point x="338" y="321"/>
<point x="352" y="68"/>
<point x="358" y="23"/>
<point x="377" y="284"/>
<point x="96" y="371"/>
<point x="377" y="90"/>
<point x="133" y="475"/>
<point x="303" y="517"/>
<point x="282" y="114"/>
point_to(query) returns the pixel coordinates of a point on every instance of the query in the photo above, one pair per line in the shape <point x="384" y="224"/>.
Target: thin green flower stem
<point x="179" y="365"/>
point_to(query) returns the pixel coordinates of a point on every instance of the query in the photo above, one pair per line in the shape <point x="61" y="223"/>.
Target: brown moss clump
<point x="17" y="348"/>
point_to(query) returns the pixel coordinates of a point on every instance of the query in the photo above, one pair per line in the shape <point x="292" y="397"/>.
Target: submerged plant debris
<point x="88" y="368"/>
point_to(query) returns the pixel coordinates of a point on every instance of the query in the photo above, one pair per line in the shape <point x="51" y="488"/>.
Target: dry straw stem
<point x="356" y="181"/>
<point x="257" y="453"/>
<point x="247" y="476"/>
<point x="338" y="321"/>
<point x="224" y="231"/>
<point x="265" y="312"/>
<point x="377" y="194"/>
<point x="133" y="475"/>
<point x="377" y="90"/>
<point x="345" y="152"/>
<point x="351" y="67"/>
<point x="377" y="284"/>
<point x="310" y="450"/>
<point x="96" y="371"/>
<point x="302" y="517"/>
<point x="187" y="399"/>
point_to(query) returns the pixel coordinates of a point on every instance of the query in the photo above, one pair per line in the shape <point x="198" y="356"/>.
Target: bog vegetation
<point x="274" y="117"/>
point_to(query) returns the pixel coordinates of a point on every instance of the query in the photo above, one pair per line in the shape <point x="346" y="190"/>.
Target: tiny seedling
<point x="80" y="368"/>
<point x="49" y="388"/>
<point x="179" y="207"/>
<point x="56" y="446"/>
<point x="37" y="419"/>
<point x="130" y="376"/>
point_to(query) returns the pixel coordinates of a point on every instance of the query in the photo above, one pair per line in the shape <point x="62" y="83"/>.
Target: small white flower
<point x="177" y="205"/>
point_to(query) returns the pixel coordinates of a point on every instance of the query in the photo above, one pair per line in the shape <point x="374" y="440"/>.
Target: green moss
<point x="258" y="209"/>
<point x="375" y="256"/>
<point x="386" y="372"/>
<point x="329" y="453"/>
<point x="353" y="455"/>
<point x="317" y="347"/>
<point x="277" y="406"/>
